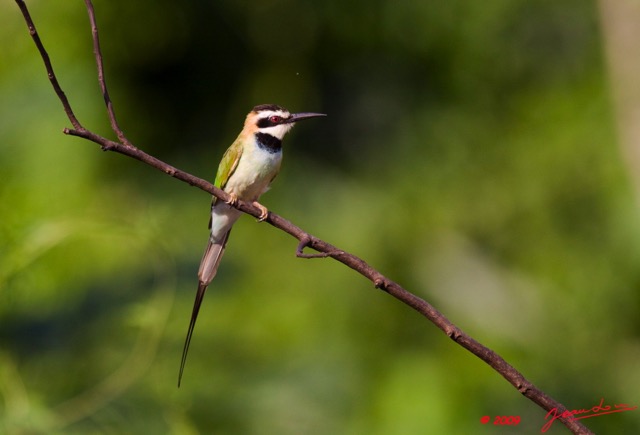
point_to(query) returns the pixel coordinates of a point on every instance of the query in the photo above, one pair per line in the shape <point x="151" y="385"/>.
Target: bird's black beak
<point x="295" y="117"/>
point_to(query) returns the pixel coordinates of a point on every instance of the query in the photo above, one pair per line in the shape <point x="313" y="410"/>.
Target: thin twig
<point x="324" y="249"/>
<point x="97" y="52"/>
<point x="47" y="64"/>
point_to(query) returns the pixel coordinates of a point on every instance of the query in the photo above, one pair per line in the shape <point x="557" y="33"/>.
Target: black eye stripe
<point x="266" y="122"/>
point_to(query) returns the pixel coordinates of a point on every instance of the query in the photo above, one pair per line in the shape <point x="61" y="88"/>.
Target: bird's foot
<point x="264" y="213"/>
<point x="233" y="200"/>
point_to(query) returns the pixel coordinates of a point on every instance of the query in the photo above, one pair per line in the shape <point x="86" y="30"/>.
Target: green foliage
<point x="469" y="154"/>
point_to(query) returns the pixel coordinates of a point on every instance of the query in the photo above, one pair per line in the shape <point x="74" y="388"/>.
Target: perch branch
<point x="324" y="249"/>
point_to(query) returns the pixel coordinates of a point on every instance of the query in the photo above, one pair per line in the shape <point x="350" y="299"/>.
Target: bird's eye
<point x="275" y="119"/>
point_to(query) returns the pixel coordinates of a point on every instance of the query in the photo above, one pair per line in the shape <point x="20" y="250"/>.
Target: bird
<point x="245" y="172"/>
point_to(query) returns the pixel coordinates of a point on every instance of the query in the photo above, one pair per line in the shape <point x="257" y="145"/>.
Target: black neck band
<point x="268" y="142"/>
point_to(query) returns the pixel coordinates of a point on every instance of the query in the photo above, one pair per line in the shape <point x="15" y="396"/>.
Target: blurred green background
<point x="471" y="153"/>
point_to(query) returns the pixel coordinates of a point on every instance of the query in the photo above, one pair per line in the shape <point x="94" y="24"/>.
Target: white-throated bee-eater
<point x="246" y="171"/>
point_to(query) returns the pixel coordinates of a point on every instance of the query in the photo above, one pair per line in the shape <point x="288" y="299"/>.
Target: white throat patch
<point x="277" y="131"/>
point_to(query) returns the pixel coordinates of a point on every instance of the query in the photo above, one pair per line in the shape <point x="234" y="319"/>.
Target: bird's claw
<point x="264" y="213"/>
<point x="233" y="200"/>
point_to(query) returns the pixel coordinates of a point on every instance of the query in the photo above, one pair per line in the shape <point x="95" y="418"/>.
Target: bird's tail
<point x="211" y="259"/>
<point x="208" y="268"/>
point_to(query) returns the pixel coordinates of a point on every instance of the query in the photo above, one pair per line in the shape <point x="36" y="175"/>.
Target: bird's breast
<point x="254" y="173"/>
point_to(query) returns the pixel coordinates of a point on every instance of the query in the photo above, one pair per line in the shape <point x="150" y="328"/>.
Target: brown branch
<point x="304" y="242"/>
<point x="324" y="249"/>
<point x="97" y="52"/>
<point x="47" y="63"/>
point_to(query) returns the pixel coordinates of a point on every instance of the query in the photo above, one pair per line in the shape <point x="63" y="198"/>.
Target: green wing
<point x="228" y="164"/>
